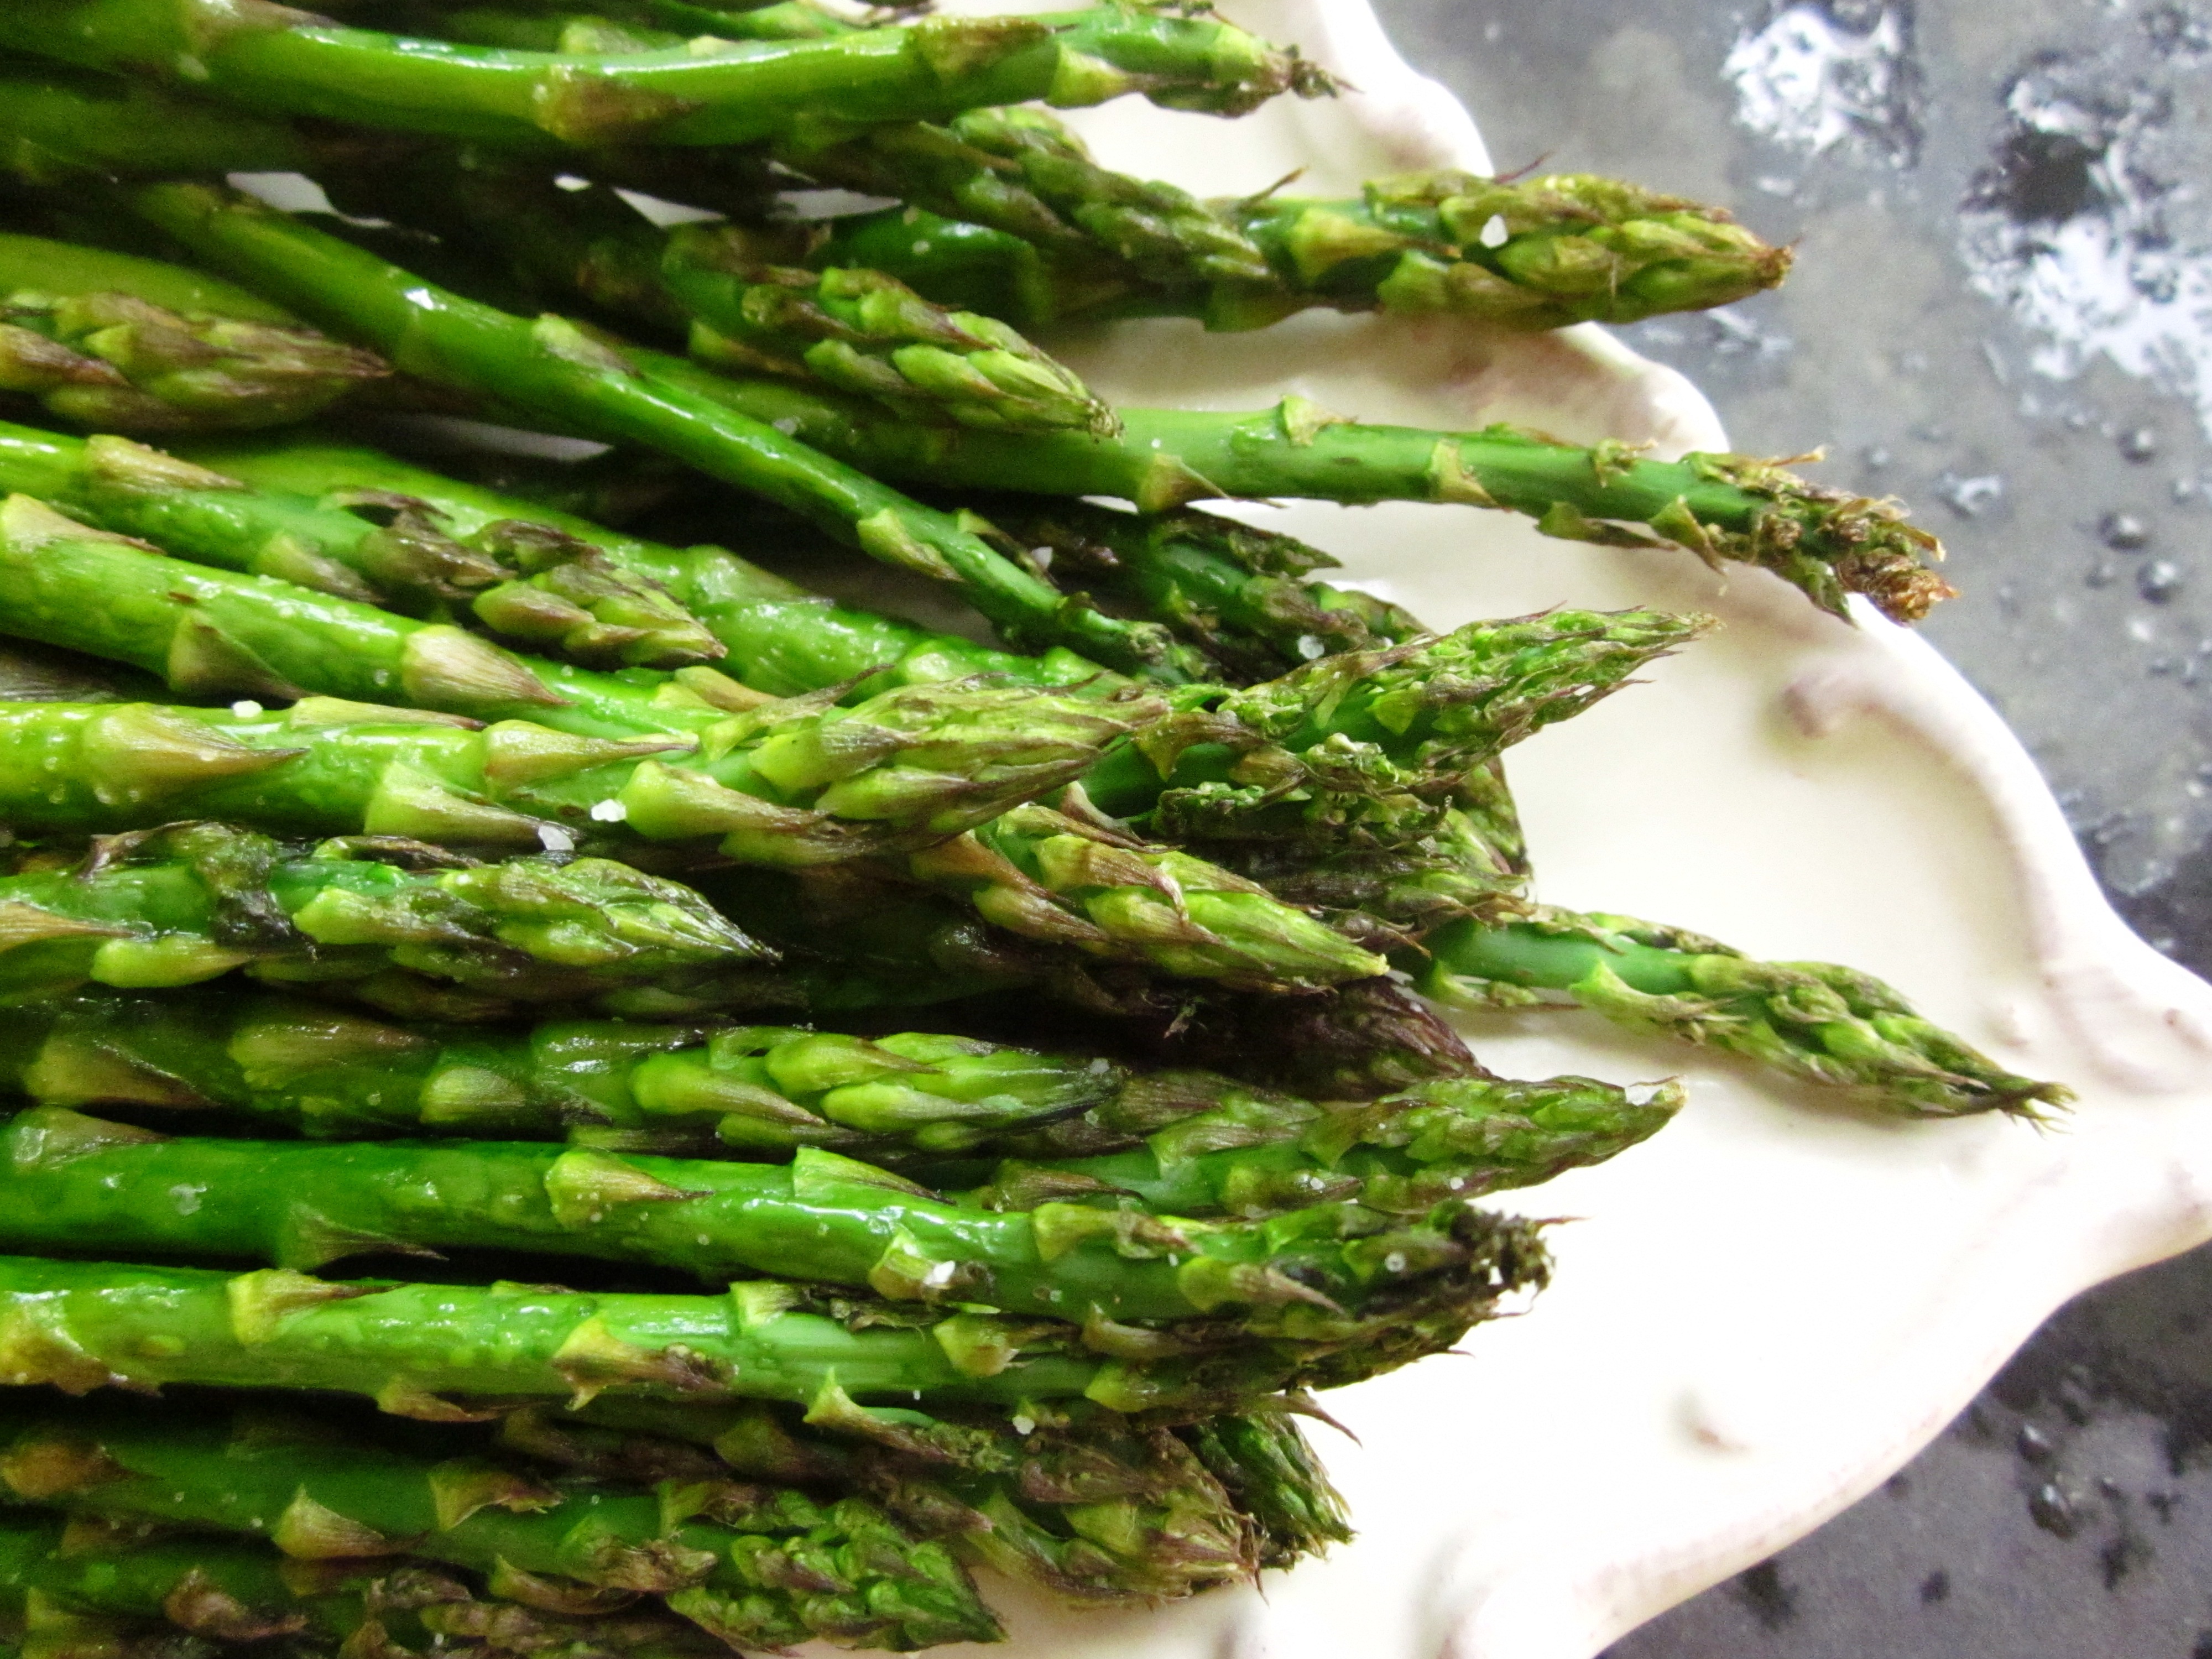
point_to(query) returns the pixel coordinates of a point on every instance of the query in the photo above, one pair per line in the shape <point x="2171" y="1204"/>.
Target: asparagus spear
<point x="82" y="1183"/>
<point x="184" y="904"/>
<point x="81" y="331"/>
<point x="211" y="634"/>
<point x="799" y="781"/>
<point x="297" y="63"/>
<point x="56" y="123"/>
<point x="234" y="1590"/>
<point x="649" y="24"/>
<point x="62" y="583"/>
<point x="782" y="640"/>
<point x="1273" y="1476"/>
<point x="1825" y="1023"/>
<point x="1372" y="741"/>
<point x="1255" y="1154"/>
<point x="736" y="292"/>
<point x="1080" y="1502"/>
<point x="1062" y="237"/>
<point x="1725" y="508"/>
<point x="1240" y="593"/>
<point x="519" y="577"/>
<point x="753" y="1573"/>
<point x="760" y="1091"/>
<point x="429" y="1350"/>
<point x="748" y="1091"/>
<point x="555" y="371"/>
<point x="1486" y="685"/>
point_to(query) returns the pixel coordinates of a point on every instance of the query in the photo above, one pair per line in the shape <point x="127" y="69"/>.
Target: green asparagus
<point x="1081" y="1502"/>
<point x="754" y="1573"/>
<point x="801" y="781"/>
<point x="736" y="293"/>
<point x="1390" y="896"/>
<point x="1413" y="717"/>
<point x="1827" y="1025"/>
<point x="858" y="940"/>
<point x="59" y="124"/>
<point x="781" y="639"/>
<point x="1241" y="594"/>
<point x="294" y="63"/>
<point x="1725" y="508"/>
<point x="183" y="904"/>
<point x="650" y="23"/>
<point x="76" y="336"/>
<point x="235" y="1590"/>
<point x="210" y="633"/>
<point x="524" y="579"/>
<point x="747" y="1091"/>
<point x="207" y="633"/>
<point x="56" y="123"/>
<point x="1038" y="872"/>
<point x="1270" y="1472"/>
<point x="430" y="1349"/>
<point x="331" y="1074"/>
<point x="1371" y="744"/>
<point x="1257" y="1154"/>
<point x="1017" y="218"/>
<point x="553" y="370"/>
<point x="76" y="1183"/>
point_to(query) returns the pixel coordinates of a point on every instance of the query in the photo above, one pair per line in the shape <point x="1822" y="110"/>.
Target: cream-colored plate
<point x="1761" y="1314"/>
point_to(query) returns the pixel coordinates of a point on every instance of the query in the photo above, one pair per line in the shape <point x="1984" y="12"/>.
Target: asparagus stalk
<point x="1256" y="1155"/>
<point x="76" y="335"/>
<point x="297" y="63"/>
<point x="81" y="1184"/>
<point x="1272" y="1474"/>
<point x="800" y="781"/>
<point x="1093" y="235"/>
<point x="737" y="293"/>
<point x="647" y="26"/>
<point x="1085" y="1504"/>
<point x="211" y="634"/>
<point x="748" y="1091"/>
<point x="555" y="371"/>
<point x="1239" y="593"/>
<point x="1370" y="743"/>
<point x="1538" y="253"/>
<point x="527" y="580"/>
<point x="58" y="123"/>
<point x="187" y="903"/>
<point x="62" y="583"/>
<point x="781" y="639"/>
<point x="431" y="1350"/>
<point x="1062" y="237"/>
<point x="328" y="1073"/>
<point x="753" y="1573"/>
<point x="1725" y="508"/>
<point x="1487" y="685"/>
<point x="1827" y="1024"/>
<point x="233" y="1590"/>
<point x="1390" y="896"/>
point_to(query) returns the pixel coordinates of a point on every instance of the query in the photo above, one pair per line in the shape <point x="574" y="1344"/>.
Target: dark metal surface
<point x="2003" y="312"/>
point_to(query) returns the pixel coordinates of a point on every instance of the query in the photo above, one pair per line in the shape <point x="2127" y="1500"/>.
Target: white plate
<point x="1763" y="1313"/>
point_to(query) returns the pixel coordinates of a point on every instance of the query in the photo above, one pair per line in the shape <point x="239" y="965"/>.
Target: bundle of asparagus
<point x="971" y="1093"/>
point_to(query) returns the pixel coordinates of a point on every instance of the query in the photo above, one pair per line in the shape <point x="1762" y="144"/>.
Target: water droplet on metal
<point x="2103" y="574"/>
<point x="2051" y="1509"/>
<point x="2139" y="444"/>
<point x="2034" y="1445"/>
<point x="2159" y="580"/>
<point x="2124" y="532"/>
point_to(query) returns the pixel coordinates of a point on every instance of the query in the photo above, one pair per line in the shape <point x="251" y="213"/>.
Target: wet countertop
<point x="2002" y="313"/>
